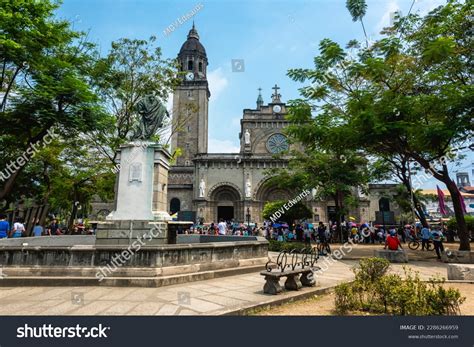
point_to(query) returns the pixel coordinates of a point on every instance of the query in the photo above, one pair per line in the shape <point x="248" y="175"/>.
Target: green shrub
<point x="443" y="301"/>
<point x="377" y="292"/>
<point x="278" y="246"/>
<point x="452" y="224"/>
<point x="345" y="298"/>
<point x="384" y="291"/>
<point x="371" y="269"/>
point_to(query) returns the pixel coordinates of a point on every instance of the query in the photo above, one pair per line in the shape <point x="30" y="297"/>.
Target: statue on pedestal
<point x="151" y="113"/>
<point x="202" y="188"/>
<point x="248" y="188"/>
<point x="247" y="137"/>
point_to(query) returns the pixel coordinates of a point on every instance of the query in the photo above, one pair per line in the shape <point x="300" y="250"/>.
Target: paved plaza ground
<point x="229" y="295"/>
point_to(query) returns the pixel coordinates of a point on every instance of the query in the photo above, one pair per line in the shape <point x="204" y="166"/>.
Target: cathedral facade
<point x="205" y="187"/>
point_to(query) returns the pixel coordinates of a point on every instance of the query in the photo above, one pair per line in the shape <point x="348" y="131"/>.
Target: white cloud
<point x="391" y="7"/>
<point x="222" y="146"/>
<point x="217" y="82"/>
<point x="425" y="6"/>
<point x="421" y="7"/>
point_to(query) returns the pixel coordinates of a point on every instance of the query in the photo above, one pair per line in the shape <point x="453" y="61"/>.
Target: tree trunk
<point x="443" y="176"/>
<point x="419" y="209"/>
<point x="463" y="233"/>
<point x="9" y="183"/>
<point x="338" y="203"/>
<point x="70" y="224"/>
<point x="416" y="203"/>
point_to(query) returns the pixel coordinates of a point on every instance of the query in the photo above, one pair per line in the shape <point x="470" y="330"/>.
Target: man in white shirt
<point x="222" y="227"/>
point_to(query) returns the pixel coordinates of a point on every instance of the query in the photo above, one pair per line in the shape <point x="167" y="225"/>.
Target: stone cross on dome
<point x="276" y="97"/>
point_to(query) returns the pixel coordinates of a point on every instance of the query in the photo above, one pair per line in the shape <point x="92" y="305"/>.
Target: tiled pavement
<point x="210" y="297"/>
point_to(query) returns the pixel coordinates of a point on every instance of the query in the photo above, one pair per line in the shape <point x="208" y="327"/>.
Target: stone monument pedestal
<point x="140" y="197"/>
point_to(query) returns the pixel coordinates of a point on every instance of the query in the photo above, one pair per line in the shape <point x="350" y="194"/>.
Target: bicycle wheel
<point x="413" y="245"/>
<point x="328" y="248"/>
<point x="430" y="246"/>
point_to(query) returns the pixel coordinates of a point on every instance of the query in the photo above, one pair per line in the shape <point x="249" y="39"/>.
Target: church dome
<point x="192" y="44"/>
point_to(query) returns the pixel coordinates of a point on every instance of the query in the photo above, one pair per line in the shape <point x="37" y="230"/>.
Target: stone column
<point x="141" y="196"/>
<point x="142" y="183"/>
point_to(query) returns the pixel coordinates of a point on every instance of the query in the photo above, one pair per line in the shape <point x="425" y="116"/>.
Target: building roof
<point x="192" y="44"/>
<point x="467" y="189"/>
<point x="445" y="191"/>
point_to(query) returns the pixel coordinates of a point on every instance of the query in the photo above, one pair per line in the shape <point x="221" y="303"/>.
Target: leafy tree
<point x="45" y="83"/>
<point x="131" y="70"/>
<point x="357" y="9"/>
<point x="403" y="198"/>
<point x="335" y="172"/>
<point x="410" y="93"/>
<point x="298" y="211"/>
<point x="409" y="199"/>
<point x="452" y="224"/>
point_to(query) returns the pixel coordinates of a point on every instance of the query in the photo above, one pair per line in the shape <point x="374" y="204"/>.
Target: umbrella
<point x="352" y="218"/>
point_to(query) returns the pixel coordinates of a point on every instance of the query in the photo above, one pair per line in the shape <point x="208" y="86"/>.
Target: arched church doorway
<point x="269" y="192"/>
<point x="175" y="205"/>
<point x="226" y="201"/>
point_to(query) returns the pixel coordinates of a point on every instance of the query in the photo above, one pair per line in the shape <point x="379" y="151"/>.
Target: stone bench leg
<point x="272" y="285"/>
<point x="307" y="279"/>
<point x="292" y="282"/>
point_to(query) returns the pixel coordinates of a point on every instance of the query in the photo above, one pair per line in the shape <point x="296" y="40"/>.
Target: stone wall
<point x="226" y="254"/>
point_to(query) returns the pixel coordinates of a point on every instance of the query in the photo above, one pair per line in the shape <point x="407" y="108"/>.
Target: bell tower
<point x="190" y="101"/>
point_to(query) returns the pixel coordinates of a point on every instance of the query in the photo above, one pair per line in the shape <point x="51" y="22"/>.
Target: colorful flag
<point x="461" y="201"/>
<point x="442" y="207"/>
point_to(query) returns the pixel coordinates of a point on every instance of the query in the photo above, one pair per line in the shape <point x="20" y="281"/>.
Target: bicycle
<point x="415" y="244"/>
<point x="323" y="246"/>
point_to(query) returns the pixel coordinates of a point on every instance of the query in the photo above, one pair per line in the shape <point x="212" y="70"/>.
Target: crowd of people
<point x="19" y="229"/>
<point x="392" y="237"/>
<point x="323" y="234"/>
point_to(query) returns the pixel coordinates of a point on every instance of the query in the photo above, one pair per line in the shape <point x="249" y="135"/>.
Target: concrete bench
<point x="463" y="272"/>
<point x="458" y="257"/>
<point x="293" y="280"/>
<point x="392" y="256"/>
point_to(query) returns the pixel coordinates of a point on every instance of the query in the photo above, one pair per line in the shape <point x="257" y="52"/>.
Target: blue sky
<point x="270" y="36"/>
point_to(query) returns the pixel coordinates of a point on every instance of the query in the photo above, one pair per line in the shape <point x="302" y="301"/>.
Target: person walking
<point x="38" y="229"/>
<point x="438" y="238"/>
<point x="323" y="244"/>
<point x="222" y="226"/>
<point x="4" y="227"/>
<point x="299" y="233"/>
<point x="18" y="228"/>
<point x="425" y="237"/>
